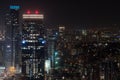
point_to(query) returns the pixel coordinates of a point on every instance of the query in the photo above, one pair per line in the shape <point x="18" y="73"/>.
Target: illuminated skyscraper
<point x="33" y="45"/>
<point x="12" y="36"/>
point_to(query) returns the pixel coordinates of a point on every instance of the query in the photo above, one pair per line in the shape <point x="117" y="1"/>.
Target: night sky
<point x="70" y="11"/>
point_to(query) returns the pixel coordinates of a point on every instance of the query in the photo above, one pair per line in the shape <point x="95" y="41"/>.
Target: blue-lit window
<point x="56" y="53"/>
<point x="40" y="39"/>
<point x="43" y="42"/>
<point x="23" y="41"/>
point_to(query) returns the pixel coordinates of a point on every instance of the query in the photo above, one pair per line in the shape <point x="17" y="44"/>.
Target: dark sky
<point x="71" y="11"/>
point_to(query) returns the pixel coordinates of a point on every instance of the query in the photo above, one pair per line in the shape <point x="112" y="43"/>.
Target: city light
<point x="43" y="42"/>
<point x="56" y="53"/>
<point x="12" y="70"/>
<point x="28" y="12"/>
<point x="33" y="16"/>
<point x="36" y="12"/>
<point x="16" y="7"/>
<point x="8" y="46"/>
<point x="56" y="62"/>
<point x="40" y="39"/>
<point x="23" y="42"/>
<point x="47" y="65"/>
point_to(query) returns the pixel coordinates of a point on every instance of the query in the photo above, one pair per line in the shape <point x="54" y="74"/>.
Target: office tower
<point x="33" y="45"/>
<point x="52" y="35"/>
<point x="12" y="36"/>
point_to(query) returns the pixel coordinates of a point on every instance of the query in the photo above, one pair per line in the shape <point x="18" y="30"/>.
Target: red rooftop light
<point x="28" y="12"/>
<point x="36" y="12"/>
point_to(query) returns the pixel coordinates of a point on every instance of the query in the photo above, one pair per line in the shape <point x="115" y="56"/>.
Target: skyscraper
<point x="33" y="45"/>
<point x="12" y="36"/>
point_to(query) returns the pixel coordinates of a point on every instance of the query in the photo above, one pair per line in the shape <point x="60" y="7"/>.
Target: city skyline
<point x="59" y="40"/>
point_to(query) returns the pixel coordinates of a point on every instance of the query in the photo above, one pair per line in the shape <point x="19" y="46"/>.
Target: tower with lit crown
<point x="33" y="45"/>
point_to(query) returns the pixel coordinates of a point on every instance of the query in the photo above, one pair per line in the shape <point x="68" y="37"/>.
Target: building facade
<point x="12" y="36"/>
<point x="33" y="45"/>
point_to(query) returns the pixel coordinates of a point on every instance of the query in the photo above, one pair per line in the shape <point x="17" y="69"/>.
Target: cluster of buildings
<point x="86" y="53"/>
<point x="24" y="43"/>
<point x="42" y="52"/>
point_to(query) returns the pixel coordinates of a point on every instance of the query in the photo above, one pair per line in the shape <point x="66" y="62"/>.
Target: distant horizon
<point x="69" y="12"/>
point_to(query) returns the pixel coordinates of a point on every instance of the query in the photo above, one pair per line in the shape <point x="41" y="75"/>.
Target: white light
<point x="63" y="77"/>
<point x="47" y="65"/>
<point x="33" y="16"/>
<point x="2" y="67"/>
<point x="8" y="46"/>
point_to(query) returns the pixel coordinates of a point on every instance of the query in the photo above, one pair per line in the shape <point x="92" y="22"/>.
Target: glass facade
<point x="33" y="48"/>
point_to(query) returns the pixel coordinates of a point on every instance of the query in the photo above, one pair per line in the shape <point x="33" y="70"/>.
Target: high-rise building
<point x="52" y="35"/>
<point x="12" y="36"/>
<point x="33" y="45"/>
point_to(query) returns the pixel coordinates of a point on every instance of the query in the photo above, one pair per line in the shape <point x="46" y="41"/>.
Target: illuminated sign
<point x="33" y="16"/>
<point x="15" y="7"/>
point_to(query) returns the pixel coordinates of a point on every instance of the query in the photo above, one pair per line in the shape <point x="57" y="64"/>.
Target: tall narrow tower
<point x="33" y="45"/>
<point x="12" y="36"/>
